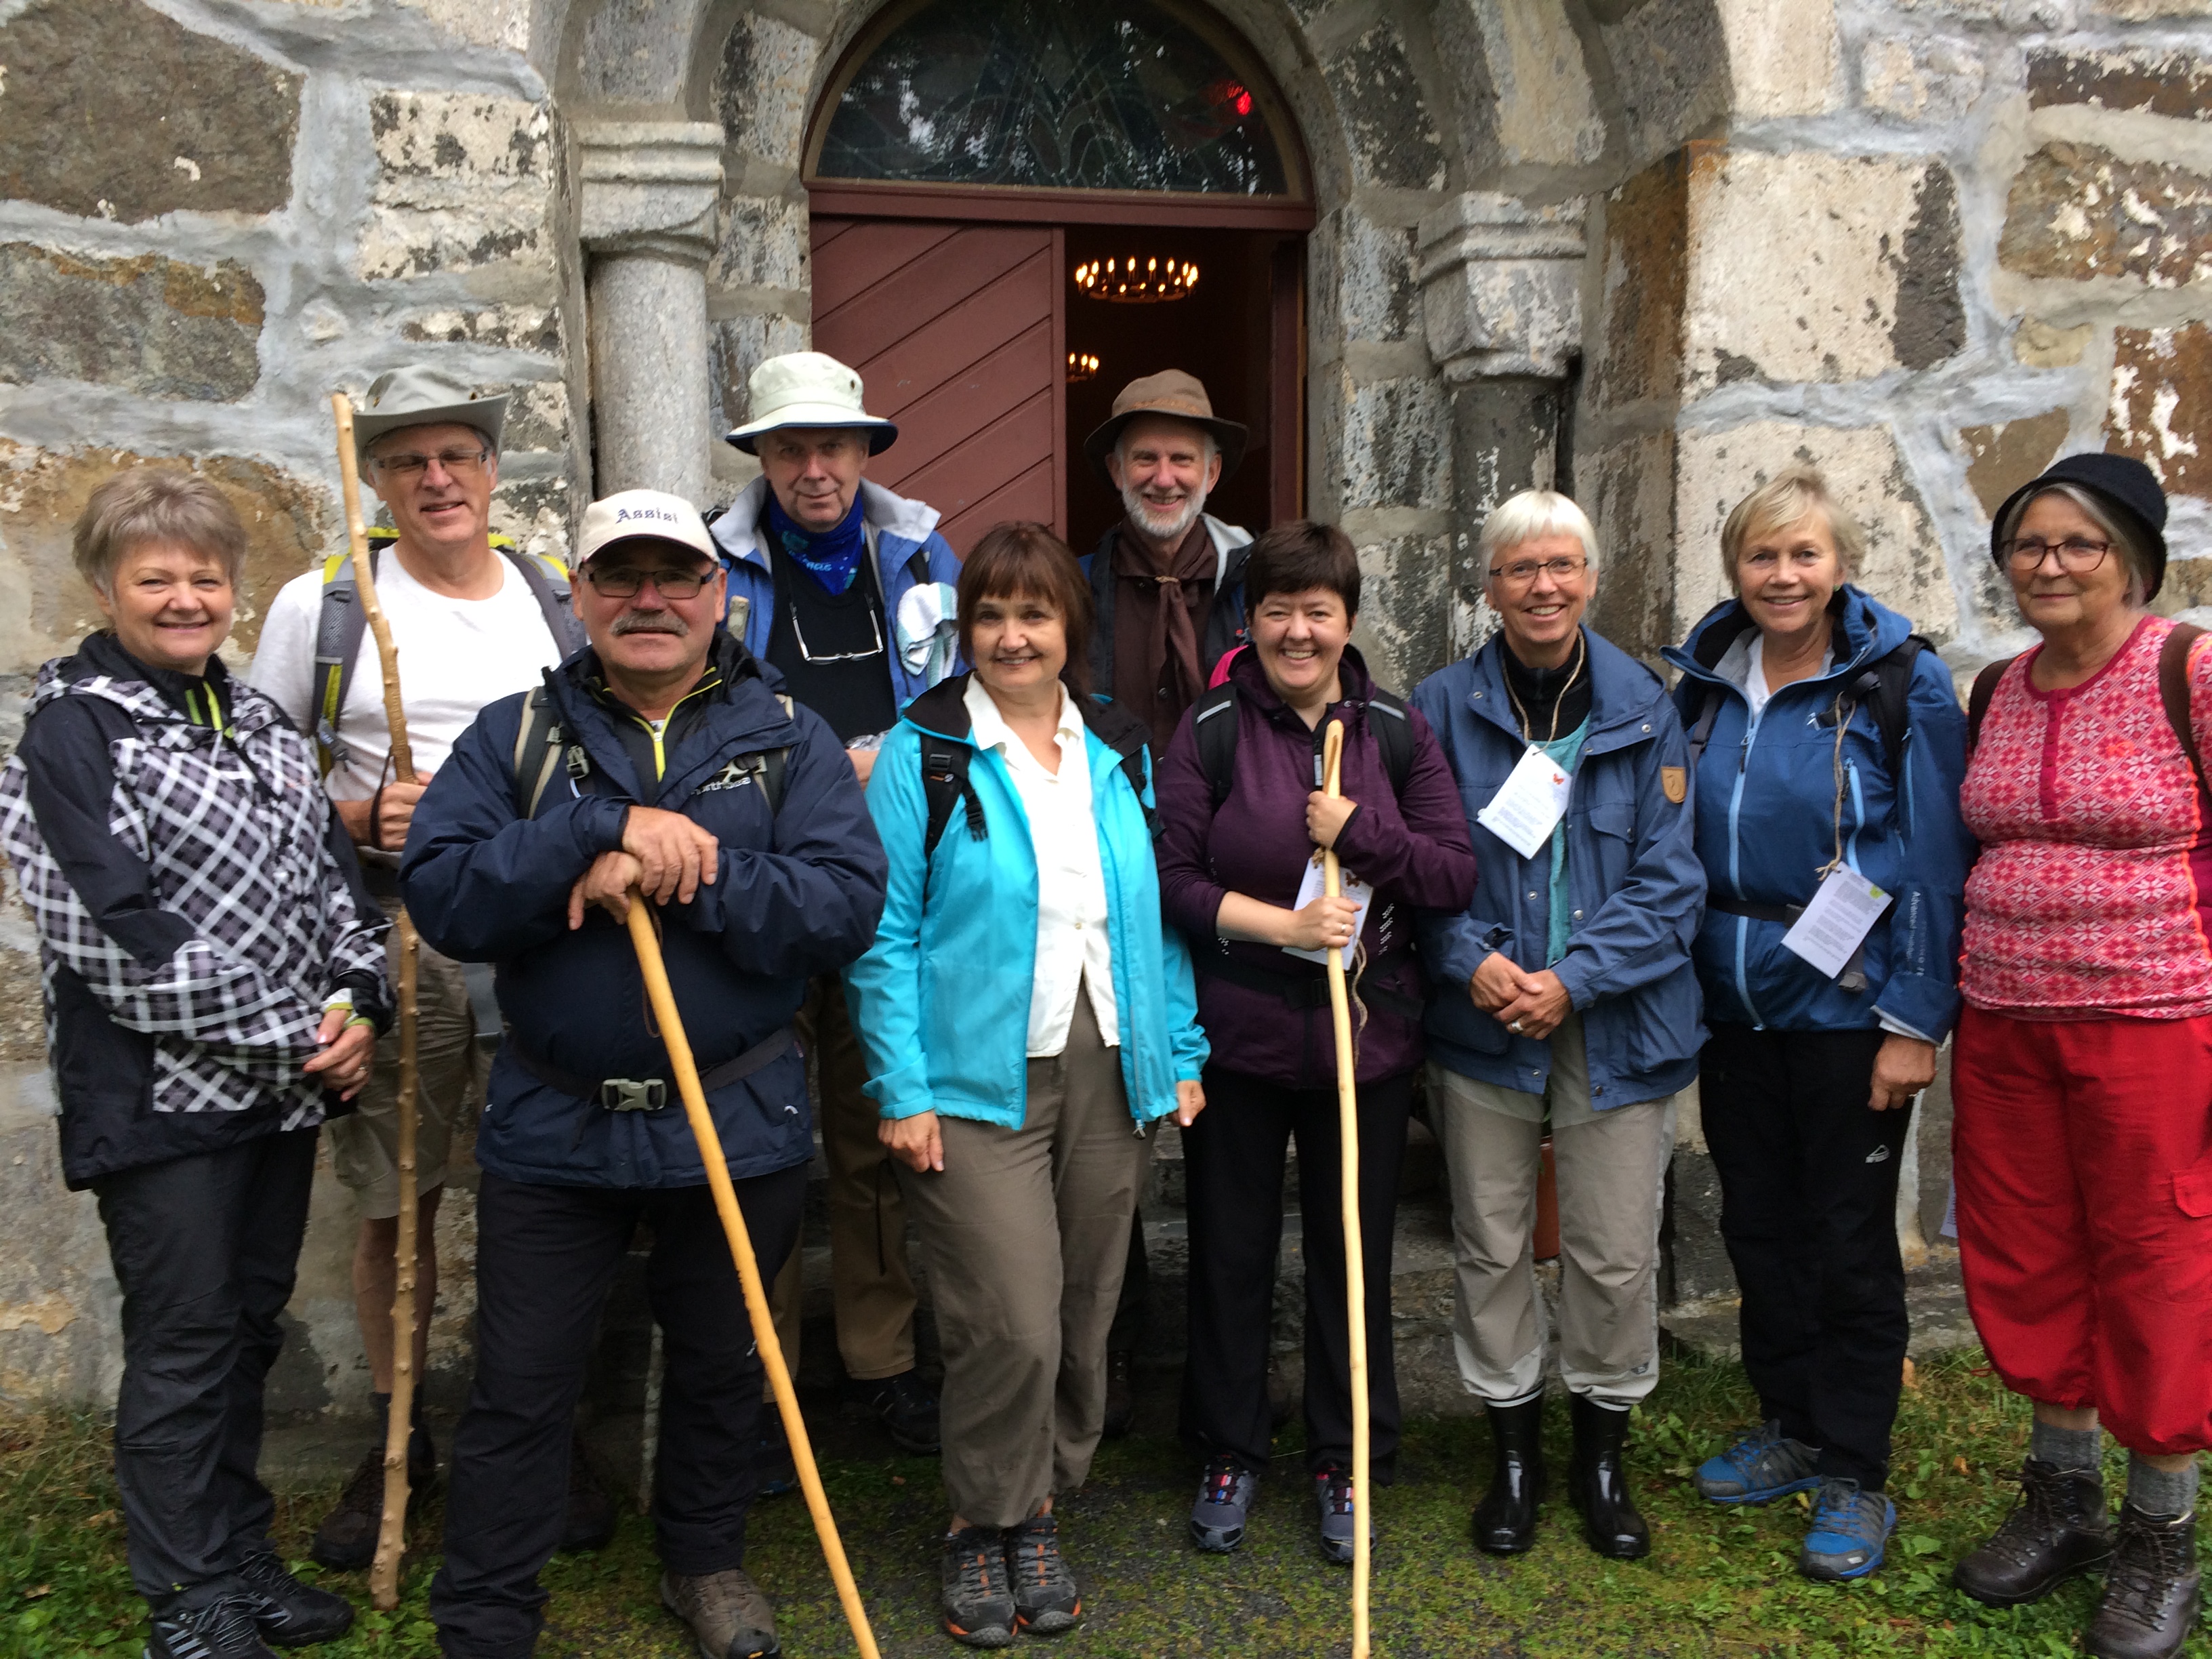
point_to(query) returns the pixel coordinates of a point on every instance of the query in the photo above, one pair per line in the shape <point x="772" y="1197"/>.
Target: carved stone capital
<point x="1501" y="286"/>
<point x="649" y="187"/>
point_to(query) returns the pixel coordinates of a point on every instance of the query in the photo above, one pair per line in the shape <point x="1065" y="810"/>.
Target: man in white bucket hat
<point x="847" y="590"/>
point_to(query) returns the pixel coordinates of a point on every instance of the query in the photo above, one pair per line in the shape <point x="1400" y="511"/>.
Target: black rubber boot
<point x="1600" y="1482"/>
<point x="2059" y="1527"/>
<point x="2150" y="1600"/>
<point x="1505" y="1520"/>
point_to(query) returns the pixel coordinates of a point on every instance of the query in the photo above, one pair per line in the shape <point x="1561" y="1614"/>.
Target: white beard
<point x="1169" y="530"/>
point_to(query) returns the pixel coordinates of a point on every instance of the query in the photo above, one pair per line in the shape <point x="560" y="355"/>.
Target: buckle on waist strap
<point x="626" y="1094"/>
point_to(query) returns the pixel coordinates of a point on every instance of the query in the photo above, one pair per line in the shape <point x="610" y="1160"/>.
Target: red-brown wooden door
<point x="958" y="333"/>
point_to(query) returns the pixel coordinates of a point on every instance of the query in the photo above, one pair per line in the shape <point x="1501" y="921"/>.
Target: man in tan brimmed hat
<point x="476" y="619"/>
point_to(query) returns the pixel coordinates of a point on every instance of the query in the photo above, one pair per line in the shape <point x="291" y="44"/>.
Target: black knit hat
<point x="2122" y="483"/>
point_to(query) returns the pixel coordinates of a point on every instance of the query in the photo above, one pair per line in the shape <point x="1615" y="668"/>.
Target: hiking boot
<point x="907" y="1410"/>
<point x="1599" y="1485"/>
<point x="1762" y="1466"/>
<point x="729" y="1617"/>
<point x="774" y="1468"/>
<point x="1046" y="1600"/>
<point x="589" y="1523"/>
<point x="1506" y="1519"/>
<point x="1121" y="1395"/>
<point x="1850" y="1531"/>
<point x="221" y="1628"/>
<point x="2150" y="1588"/>
<point x="1226" y="1495"/>
<point x="978" y="1597"/>
<point x="1333" y="1493"/>
<point x="2058" y="1528"/>
<point x="292" y="1614"/>
<point x="346" y="1539"/>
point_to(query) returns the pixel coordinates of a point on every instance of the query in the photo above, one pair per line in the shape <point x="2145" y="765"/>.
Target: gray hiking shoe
<point x="730" y="1619"/>
<point x="1225" y="1497"/>
<point x="1761" y="1466"/>
<point x="1332" y="1494"/>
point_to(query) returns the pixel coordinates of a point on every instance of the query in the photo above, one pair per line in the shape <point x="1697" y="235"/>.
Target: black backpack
<point x="1884" y="686"/>
<point x="945" y="782"/>
<point x="1217" y="737"/>
<point x="540" y="749"/>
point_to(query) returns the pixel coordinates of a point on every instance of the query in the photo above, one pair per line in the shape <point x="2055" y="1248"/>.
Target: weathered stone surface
<point x="2176" y="83"/>
<point x="1392" y="137"/>
<point x="45" y="608"/>
<point x="763" y="87"/>
<point x="1904" y="567"/>
<point x="1404" y="607"/>
<point x="637" y="51"/>
<point x="1628" y="490"/>
<point x="466" y="180"/>
<point x="114" y="111"/>
<point x="2161" y="403"/>
<point x="1807" y="266"/>
<point x="1636" y="346"/>
<point x="1521" y="69"/>
<point x="539" y="417"/>
<point x="737" y="346"/>
<point x="147" y="324"/>
<point x="480" y="22"/>
<point x="2143" y="10"/>
<point x="2003" y="458"/>
<point x="2078" y="211"/>
<point x="1501" y="285"/>
<point x="1919" y="78"/>
<point x="1361" y="278"/>
<point x="2045" y="345"/>
<point x="513" y="328"/>
<point x="1397" y="445"/>
<point x="2016" y="14"/>
<point x="58" y="1298"/>
<point x="1781" y="59"/>
<point x="763" y="244"/>
<point x="1670" y="65"/>
<point x="536" y="512"/>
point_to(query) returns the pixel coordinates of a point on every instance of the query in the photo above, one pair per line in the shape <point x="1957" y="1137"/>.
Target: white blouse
<point x="1073" y="949"/>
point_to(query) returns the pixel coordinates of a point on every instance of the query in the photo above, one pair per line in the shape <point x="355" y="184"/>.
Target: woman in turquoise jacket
<point x="1026" y="1018"/>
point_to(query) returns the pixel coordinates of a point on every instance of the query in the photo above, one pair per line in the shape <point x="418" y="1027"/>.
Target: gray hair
<point x="1531" y="514"/>
<point x="2125" y="542"/>
<point x="154" y="504"/>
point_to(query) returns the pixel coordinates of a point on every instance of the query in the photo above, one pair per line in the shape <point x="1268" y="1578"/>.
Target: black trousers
<point x="545" y="1258"/>
<point x="1233" y="1160"/>
<point x="1809" y="1211"/>
<point x="1127" y="1331"/>
<point x="205" y="1248"/>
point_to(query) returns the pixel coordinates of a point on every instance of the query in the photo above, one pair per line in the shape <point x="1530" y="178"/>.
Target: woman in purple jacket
<point x="1240" y="815"/>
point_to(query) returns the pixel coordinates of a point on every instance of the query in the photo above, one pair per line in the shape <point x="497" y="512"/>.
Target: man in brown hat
<point x="1169" y="582"/>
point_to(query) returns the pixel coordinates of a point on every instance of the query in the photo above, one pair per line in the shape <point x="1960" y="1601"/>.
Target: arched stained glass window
<point x="1066" y="94"/>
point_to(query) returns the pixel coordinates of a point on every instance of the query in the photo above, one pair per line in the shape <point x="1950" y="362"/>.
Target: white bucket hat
<point x="807" y="388"/>
<point x="415" y="396"/>
<point x="642" y="515"/>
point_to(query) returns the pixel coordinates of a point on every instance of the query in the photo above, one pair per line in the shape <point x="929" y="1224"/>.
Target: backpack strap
<point x="1977" y="700"/>
<point x="1702" y="732"/>
<point x="1393" y="735"/>
<point x="541" y="751"/>
<point x="2173" y="692"/>
<point x="944" y="782"/>
<point x="767" y="767"/>
<point x="1891" y="699"/>
<point x="1129" y="738"/>
<point x="548" y="579"/>
<point x="1217" y="738"/>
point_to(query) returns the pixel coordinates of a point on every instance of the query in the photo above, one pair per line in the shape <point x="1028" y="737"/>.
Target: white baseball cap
<point x="643" y="515"/>
<point x="807" y="388"/>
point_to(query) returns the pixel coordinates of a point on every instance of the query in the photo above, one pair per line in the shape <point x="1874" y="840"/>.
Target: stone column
<point x="646" y="213"/>
<point x="1501" y="303"/>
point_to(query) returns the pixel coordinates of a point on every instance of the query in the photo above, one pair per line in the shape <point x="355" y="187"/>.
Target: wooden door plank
<point x="919" y="294"/>
<point x="942" y="419"/>
<point x="960" y="336"/>
<point x="1029" y="496"/>
<point x="1018" y="440"/>
<point x="869" y="254"/>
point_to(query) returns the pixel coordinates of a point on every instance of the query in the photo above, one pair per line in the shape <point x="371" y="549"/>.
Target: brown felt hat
<point x="1171" y="393"/>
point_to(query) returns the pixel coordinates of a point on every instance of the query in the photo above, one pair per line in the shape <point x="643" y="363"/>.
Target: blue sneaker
<point x="1850" y="1528"/>
<point x="1762" y="1466"/>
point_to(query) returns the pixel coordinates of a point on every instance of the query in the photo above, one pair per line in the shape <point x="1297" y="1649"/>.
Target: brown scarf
<point x="1159" y="617"/>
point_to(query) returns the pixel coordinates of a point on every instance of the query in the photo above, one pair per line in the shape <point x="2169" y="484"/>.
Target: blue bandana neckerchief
<point x="832" y="557"/>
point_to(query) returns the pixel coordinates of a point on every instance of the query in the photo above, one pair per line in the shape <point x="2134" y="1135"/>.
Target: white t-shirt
<point x="1072" y="948"/>
<point x="1755" y="689"/>
<point x="455" y="656"/>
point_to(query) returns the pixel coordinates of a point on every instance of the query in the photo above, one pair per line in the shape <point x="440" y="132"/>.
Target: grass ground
<point x="1717" y="1581"/>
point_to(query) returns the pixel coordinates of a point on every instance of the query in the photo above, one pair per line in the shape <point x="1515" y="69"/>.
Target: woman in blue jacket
<point x="1566" y="996"/>
<point x="1830" y="749"/>
<point x="1022" y="1005"/>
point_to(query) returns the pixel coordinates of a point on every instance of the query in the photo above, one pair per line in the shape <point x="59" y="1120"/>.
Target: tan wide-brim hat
<point x="642" y="515"/>
<point x="808" y="389"/>
<point x="415" y="396"/>
<point x="1172" y="392"/>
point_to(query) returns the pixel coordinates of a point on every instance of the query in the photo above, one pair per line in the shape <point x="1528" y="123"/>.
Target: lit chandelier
<point x="1137" y="282"/>
<point x="1081" y="366"/>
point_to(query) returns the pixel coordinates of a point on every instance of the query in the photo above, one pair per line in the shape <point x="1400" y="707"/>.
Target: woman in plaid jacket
<point x="214" y="976"/>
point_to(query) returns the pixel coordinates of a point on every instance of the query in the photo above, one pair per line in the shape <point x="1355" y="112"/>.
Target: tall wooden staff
<point x="391" y="1534"/>
<point x="664" y="1013"/>
<point x="1355" y="1265"/>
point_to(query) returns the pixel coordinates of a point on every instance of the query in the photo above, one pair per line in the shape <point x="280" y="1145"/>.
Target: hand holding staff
<point x="391" y="1532"/>
<point x="1355" y="1266"/>
<point x="647" y="940"/>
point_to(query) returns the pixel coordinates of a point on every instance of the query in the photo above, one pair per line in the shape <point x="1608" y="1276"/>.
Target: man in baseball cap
<point x="659" y="764"/>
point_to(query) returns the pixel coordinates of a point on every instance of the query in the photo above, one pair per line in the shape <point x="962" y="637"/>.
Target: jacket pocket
<point x="2192" y="1191"/>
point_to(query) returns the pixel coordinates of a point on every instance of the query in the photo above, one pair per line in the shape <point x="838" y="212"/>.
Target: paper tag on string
<point x="1354" y="889"/>
<point x="1834" y="924"/>
<point x="1528" y="806"/>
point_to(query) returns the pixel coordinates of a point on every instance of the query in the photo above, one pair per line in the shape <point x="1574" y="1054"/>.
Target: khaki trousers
<point x="870" y="1288"/>
<point x="1612" y="1173"/>
<point x="1025" y="1233"/>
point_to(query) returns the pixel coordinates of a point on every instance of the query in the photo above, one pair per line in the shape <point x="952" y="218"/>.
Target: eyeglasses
<point x="1523" y="572"/>
<point x="624" y="581"/>
<point x="2078" y="554"/>
<point x="458" y="463"/>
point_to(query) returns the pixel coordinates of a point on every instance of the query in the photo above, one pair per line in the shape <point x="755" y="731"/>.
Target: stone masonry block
<point x="146" y="325"/>
<point x="534" y="329"/>
<point x="1522" y="66"/>
<point x="1670" y="64"/>
<point x="1904" y="567"/>
<point x="1392" y="137"/>
<point x="1628" y="490"/>
<point x="2005" y="456"/>
<point x="1781" y="59"/>
<point x="2144" y="10"/>
<point x="1404" y="607"/>
<point x="1813" y="267"/>
<point x="2175" y="83"/>
<point x="2161" y="403"/>
<point x="738" y="346"/>
<point x="111" y="110"/>
<point x="763" y="244"/>
<point x="466" y="180"/>
<point x="480" y="22"/>
<point x="1920" y="78"/>
<point x="763" y="90"/>
<point x="1636" y="340"/>
<point x="2077" y="211"/>
<point x="1362" y="278"/>
<point x="1397" y="445"/>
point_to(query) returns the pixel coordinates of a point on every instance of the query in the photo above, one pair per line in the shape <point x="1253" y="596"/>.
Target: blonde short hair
<point x="1531" y="514"/>
<point x="1794" y="492"/>
<point x="154" y="504"/>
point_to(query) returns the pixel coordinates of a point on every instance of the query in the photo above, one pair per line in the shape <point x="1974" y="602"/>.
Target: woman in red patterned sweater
<point x="2082" y="1075"/>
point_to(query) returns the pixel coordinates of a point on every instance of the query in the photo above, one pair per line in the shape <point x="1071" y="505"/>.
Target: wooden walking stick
<point x="391" y="1534"/>
<point x="1355" y="1265"/>
<point x="643" y="936"/>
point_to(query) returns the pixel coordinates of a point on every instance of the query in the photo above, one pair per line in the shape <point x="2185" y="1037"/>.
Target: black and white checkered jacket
<point x="196" y="904"/>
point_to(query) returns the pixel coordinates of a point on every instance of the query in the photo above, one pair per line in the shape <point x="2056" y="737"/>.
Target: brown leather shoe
<point x="2058" y="1528"/>
<point x="2150" y="1588"/>
<point x="730" y="1619"/>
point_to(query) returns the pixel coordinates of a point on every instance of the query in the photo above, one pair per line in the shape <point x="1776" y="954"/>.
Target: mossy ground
<point x="1717" y="1581"/>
